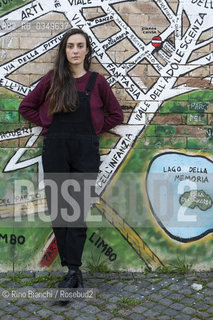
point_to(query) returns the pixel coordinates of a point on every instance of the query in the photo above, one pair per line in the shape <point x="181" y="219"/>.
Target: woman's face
<point x="76" y="50"/>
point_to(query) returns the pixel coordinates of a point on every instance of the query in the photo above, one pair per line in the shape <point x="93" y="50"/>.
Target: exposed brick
<point x="31" y="42"/>
<point x="137" y="19"/>
<point x="202" y="71"/>
<point x="9" y="42"/>
<point x="121" y="94"/>
<point x="168" y="119"/>
<point x="139" y="7"/>
<point x="158" y="21"/>
<point x="24" y="79"/>
<point x="193" y="131"/>
<point x="106" y="30"/>
<point x="34" y="67"/>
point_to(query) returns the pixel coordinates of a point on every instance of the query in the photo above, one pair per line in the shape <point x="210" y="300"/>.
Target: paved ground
<point x="132" y="296"/>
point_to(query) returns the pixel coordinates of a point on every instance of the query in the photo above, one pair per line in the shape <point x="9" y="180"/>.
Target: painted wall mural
<point x="156" y="168"/>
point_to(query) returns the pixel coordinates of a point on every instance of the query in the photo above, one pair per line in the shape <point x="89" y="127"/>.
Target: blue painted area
<point x="169" y="177"/>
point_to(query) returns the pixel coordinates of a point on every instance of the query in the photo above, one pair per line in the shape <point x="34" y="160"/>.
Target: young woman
<point x="73" y="105"/>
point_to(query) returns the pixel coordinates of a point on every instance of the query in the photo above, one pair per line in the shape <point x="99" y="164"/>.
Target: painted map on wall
<point x="157" y="58"/>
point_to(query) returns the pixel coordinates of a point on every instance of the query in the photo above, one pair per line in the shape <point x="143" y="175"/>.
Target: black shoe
<point x="80" y="279"/>
<point x="70" y="280"/>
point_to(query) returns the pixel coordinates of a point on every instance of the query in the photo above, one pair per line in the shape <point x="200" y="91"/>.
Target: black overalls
<point x="71" y="151"/>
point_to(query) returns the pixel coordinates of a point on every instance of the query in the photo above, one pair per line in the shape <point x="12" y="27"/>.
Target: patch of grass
<point x="176" y="300"/>
<point x="187" y="295"/>
<point x="180" y="267"/>
<point x="115" y="312"/>
<point x="5" y="286"/>
<point x="129" y="301"/>
<point x="211" y="304"/>
<point x="18" y="276"/>
<point x="50" y="280"/>
<point x="97" y="264"/>
<point x="203" y="309"/>
<point x="102" y="306"/>
<point x="156" y="281"/>
<point x="151" y="299"/>
<point x="147" y="270"/>
<point x="164" y="269"/>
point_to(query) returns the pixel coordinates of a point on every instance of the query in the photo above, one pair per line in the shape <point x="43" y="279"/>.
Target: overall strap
<point x="91" y="81"/>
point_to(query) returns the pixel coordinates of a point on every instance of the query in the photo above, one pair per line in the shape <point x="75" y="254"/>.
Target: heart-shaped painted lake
<point x="180" y="193"/>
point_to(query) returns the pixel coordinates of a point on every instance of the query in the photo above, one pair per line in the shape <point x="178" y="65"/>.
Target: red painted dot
<point x="156" y="41"/>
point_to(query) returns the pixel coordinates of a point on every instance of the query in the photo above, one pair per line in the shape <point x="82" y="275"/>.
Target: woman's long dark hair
<point x="62" y="93"/>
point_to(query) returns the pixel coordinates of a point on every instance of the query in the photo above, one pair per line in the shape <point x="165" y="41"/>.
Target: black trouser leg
<point x="70" y="236"/>
<point x="71" y="243"/>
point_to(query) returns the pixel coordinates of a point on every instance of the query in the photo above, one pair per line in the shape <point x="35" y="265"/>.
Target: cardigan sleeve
<point x="113" y="109"/>
<point x="29" y="107"/>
